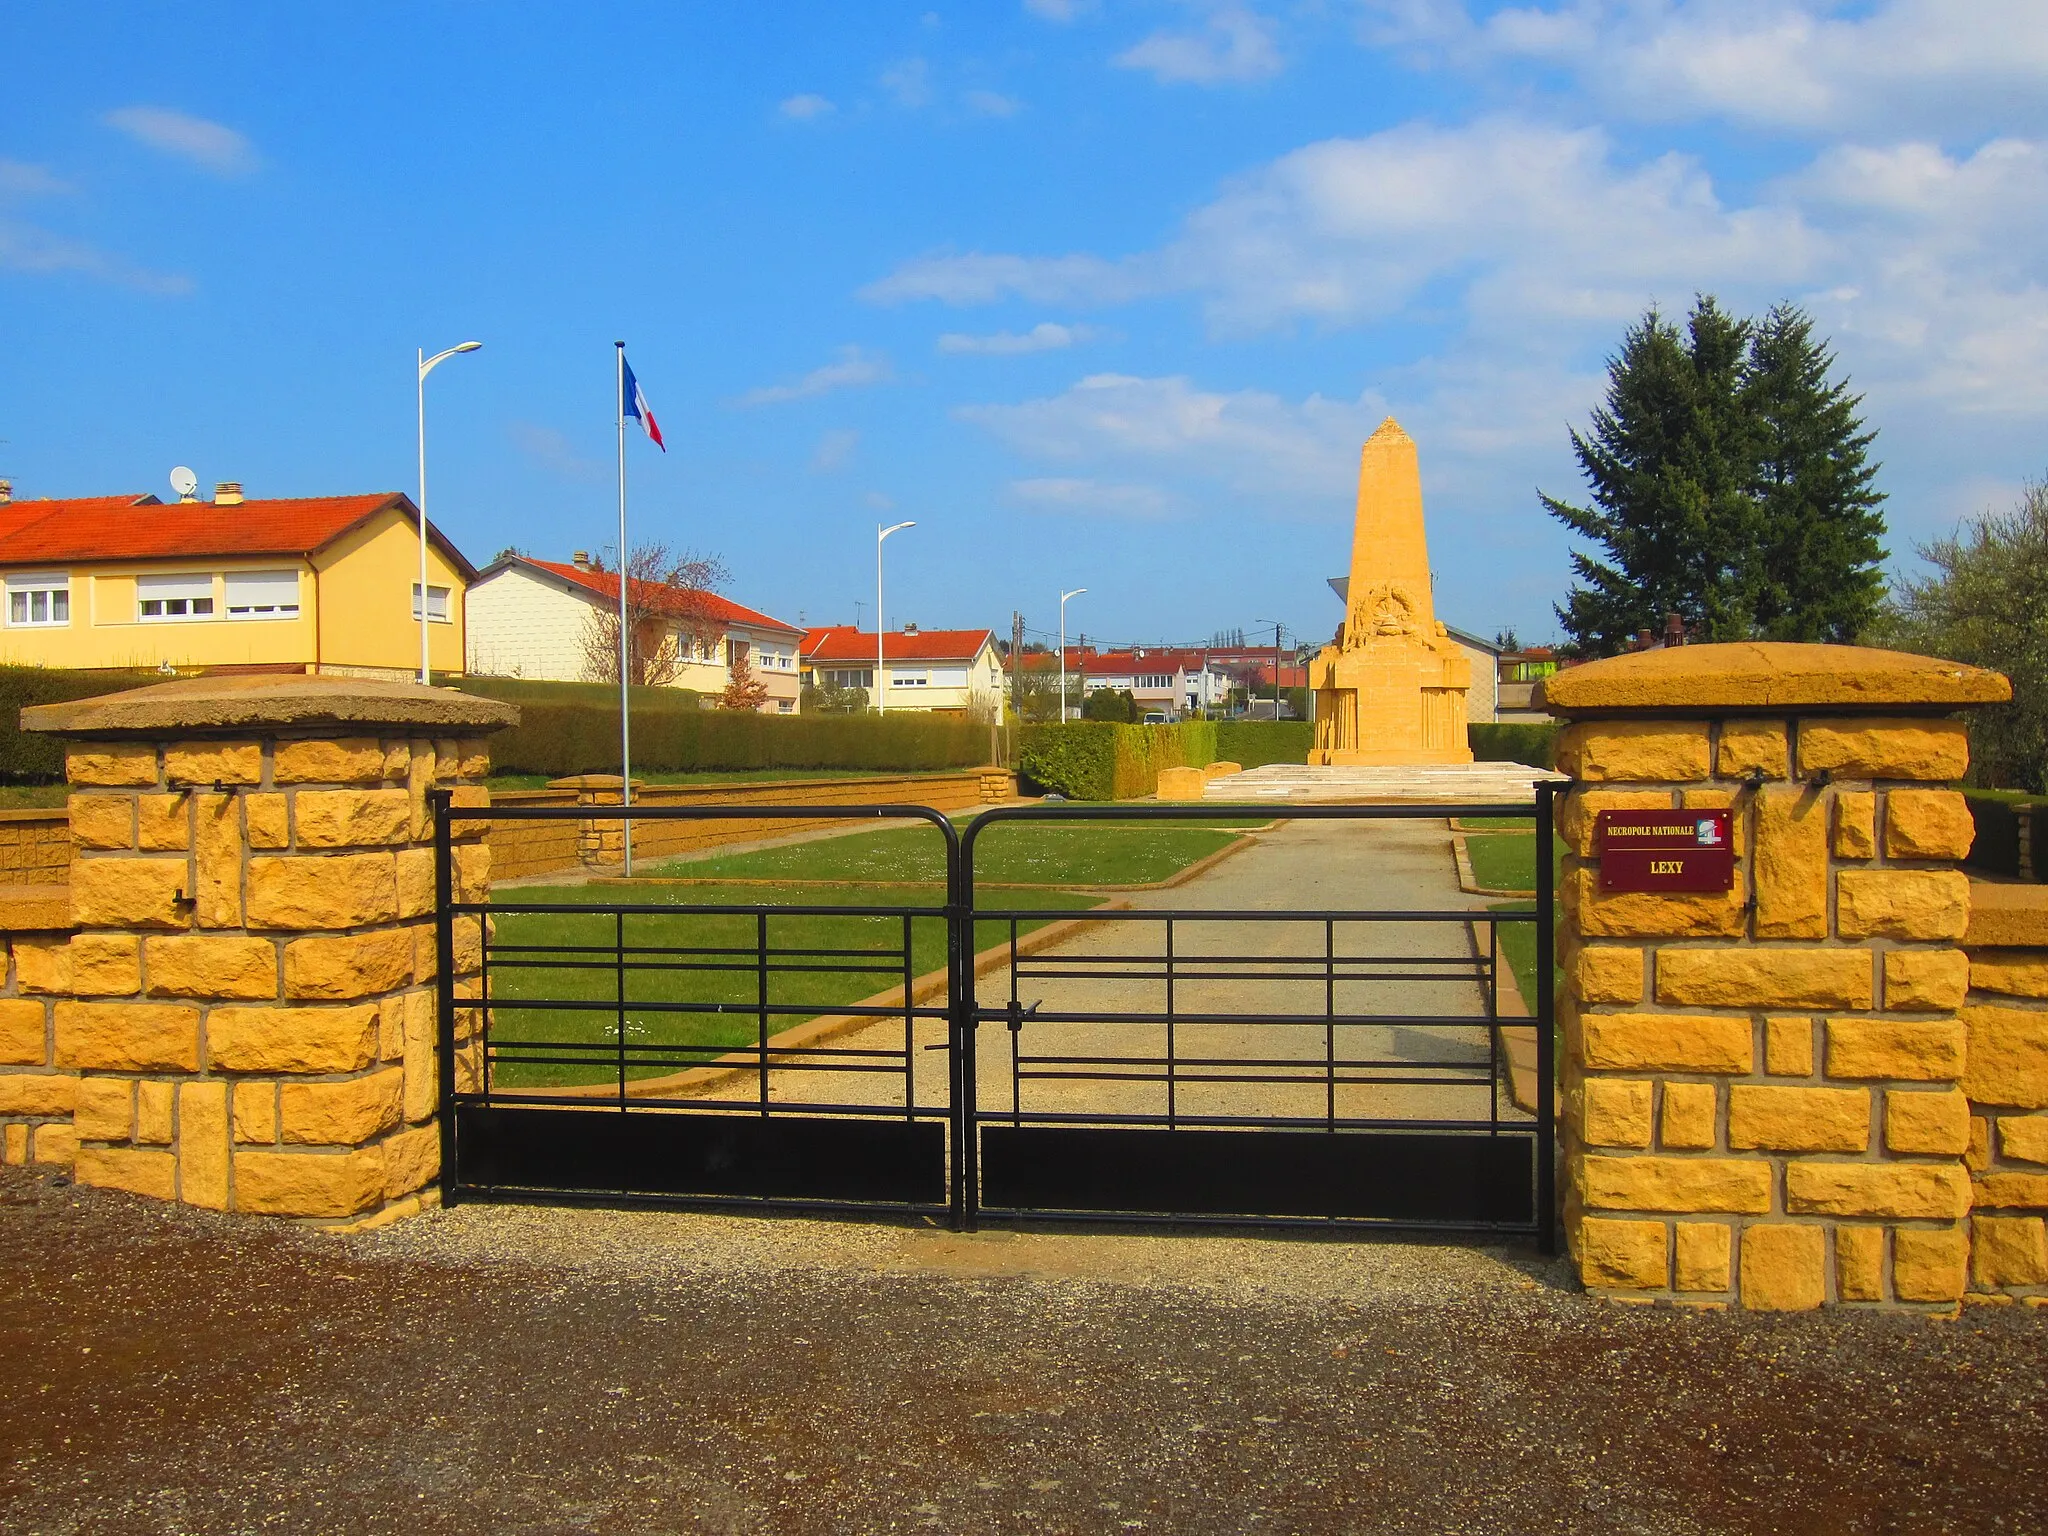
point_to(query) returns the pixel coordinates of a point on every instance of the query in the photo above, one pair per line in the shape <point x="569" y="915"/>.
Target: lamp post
<point x="427" y="365"/>
<point x="1063" y="649"/>
<point x="881" y="623"/>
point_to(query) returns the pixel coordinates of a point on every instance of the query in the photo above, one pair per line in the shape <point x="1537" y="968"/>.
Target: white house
<point x="1162" y="680"/>
<point x="530" y="618"/>
<point x="944" y="671"/>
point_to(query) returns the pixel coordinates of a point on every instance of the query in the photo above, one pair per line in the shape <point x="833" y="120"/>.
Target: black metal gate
<point x="1130" y="1062"/>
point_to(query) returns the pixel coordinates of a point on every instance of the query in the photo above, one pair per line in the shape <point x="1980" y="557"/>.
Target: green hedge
<point x="1255" y="743"/>
<point x="560" y="739"/>
<point x="29" y="758"/>
<point x="1096" y="760"/>
<point x="1518" y="742"/>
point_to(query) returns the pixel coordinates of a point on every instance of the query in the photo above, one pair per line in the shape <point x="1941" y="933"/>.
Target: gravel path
<point x="496" y="1369"/>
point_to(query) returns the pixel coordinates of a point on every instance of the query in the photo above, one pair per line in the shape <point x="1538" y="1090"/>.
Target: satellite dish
<point x="184" y="482"/>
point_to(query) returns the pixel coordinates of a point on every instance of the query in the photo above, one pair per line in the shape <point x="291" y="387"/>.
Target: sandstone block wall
<point x="243" y="1014"/>
<point x="2005" y="1075"/>
<point x="35" y="847"/>
<point x="1777" y="1096"/>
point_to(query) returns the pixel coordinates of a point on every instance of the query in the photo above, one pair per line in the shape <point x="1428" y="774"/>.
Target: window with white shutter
<point x="263" y="594"/>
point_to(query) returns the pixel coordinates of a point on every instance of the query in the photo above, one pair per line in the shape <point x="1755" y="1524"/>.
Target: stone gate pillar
<point x="246" y="1003"/>
<point x="1762" y="1087"/>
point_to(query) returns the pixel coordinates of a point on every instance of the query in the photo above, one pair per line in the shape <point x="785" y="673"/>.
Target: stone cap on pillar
<point x="217" y="706"/>
<point x="1769" y="676"/>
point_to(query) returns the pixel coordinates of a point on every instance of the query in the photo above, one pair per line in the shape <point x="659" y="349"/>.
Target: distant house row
<point x="331" y="585"/>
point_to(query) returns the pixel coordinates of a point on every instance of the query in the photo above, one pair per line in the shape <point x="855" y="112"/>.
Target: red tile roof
<point x="662" y="599"/>
<point x="109" y="528"/>
<point x="842" y="642"/>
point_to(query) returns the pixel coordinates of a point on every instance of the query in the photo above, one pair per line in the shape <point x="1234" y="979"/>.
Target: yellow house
<point x="324" y="584"/>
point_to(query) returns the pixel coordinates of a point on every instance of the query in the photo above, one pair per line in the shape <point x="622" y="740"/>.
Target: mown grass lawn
<point x="1008" y="853"/>
<point x="709" y="776"/>
<point x="690" y="955"/>
<point x="1506" y="861"/>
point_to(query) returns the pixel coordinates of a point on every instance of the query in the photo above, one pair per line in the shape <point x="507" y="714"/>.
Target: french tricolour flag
<point x="634" y="404"/>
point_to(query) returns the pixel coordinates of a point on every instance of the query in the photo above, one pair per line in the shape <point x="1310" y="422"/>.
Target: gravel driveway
<point x="552" y="1371"/>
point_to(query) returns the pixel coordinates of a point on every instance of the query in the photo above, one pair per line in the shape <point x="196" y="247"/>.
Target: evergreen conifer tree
<point x="1822" y="532"/>
<point x="1730" y="485"/>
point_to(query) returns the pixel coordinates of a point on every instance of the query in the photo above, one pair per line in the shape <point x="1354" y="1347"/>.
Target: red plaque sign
<point x="1665" y="851"/>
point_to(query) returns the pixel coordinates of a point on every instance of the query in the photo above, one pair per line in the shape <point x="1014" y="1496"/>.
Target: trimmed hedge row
<point x="558" y="739"/>
<point x="567" y="728"/>
<point x="1515" y="742"/>
<point x="28" y="758"/>
<point x="1255" y="743"/>
<point x="1102" y="760"/>
<point x="1096" y="760"/>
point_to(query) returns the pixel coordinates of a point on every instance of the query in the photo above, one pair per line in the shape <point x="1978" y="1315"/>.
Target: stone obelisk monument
<point x="1392" y="688"/>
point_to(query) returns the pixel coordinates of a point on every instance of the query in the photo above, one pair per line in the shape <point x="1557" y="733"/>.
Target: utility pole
<point x="1017" y="666"/>
<point x="1276" y="672"/>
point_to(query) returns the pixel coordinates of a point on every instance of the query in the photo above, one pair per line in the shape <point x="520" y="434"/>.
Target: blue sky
<point x="1101" y="294"/>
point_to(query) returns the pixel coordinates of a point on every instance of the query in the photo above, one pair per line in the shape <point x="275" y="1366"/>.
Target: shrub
<point x="1255" y="743"/>
<point x="1101" y="760"/>
<point x="1531" y="742"/>
<point x="1113" y="704"/>
<point x="27" y="757"/>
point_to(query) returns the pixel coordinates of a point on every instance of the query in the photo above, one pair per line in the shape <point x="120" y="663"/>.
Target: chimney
<point x="1643" y="640"/>
<point x="227" y="493"/>
<point x="909" y="628"/>
<point x="1674" y="629"/>
<point x="6" y="492"/>
<point x="581" y="559"/>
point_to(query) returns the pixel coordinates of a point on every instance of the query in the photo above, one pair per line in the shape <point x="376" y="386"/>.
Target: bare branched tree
<point x="668" y="610"/>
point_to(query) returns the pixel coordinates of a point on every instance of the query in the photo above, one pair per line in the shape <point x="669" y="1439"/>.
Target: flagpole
<point x="625" y="630"/>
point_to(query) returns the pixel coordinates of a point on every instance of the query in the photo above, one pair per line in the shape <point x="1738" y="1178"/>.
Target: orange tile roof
<point x="842" y="642"/>
<point x="89" y="529"/>
<point x="660" y="598"/>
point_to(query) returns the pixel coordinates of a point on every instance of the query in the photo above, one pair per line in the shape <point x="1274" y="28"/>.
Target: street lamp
<point x="1063" y="649"/>
<point x="881" y="622"/>
<point x="427" y="366"/>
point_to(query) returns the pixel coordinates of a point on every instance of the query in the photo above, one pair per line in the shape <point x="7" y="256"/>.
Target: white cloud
<point x="1535" y="223"/>
<point x="1061" y="11"/>
<point x="805" y="107"/>
<point x="991" y="104"/>
<point x="980" y="278"/>
<point x="26" y="248"/>
<point x="854" y="368"/>
<point x="1233" y="43"/>
<point x="551" y="449"/>
<point x="1250" y="440"/>
<point x="1092" y="498"/>
<point x="1528" y="241"/>
<point x="879" y="501"/>
<point x="210" y="146"/>
<point x="20" y="179"/>
<point x="1042" y="337"/>
<point x="834" y="451"/>
<point x="909" y="82"/>
<point x="1782" y="63"/>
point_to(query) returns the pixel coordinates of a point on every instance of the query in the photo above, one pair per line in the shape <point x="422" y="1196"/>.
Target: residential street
<point x="524" y="1370"/>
